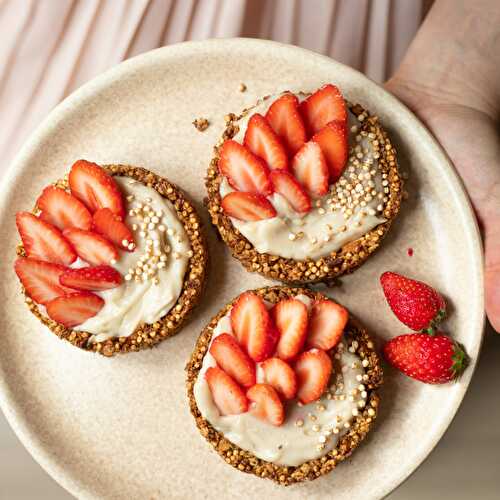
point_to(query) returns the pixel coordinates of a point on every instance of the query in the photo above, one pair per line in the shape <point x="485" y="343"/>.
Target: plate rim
<point x="13" y="412"/>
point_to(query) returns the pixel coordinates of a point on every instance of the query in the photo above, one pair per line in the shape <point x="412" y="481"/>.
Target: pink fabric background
<point x="50" y="47"/>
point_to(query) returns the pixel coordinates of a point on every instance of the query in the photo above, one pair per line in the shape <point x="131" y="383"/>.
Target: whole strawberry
<point x="430" y="359"/>
<point x="414" y="303"/>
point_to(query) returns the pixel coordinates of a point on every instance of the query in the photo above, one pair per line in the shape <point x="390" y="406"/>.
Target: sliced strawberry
<point x="263" y="142"/>
<point x="253" y="327"/>
<point x="281" y="377"/>
<point x="75" y="308"/>
<point x="91" y="278"/>
<point x="326" y="324"/>
<point x="41" y="279"/>
<point x="285" y="184"/>
<point x="244" y="171"/>
<point x="332" y="140"/>
<point x="91" y="247"/>
<point x="313" y="369"/>
<point x="322" y="107"/>
<point x="247" y="206"/>
<point x="310" y="169"/>
<point x="233" y="360"/>
<point x="228" y="396"/>
<point x="91" y="184"/>
<point x="63" y="210"/>
<point x="291" y="318"/>
<point x="266" y="404"/>
<point x="43" y="241"/>
<point x="284" y="117"/>
<point x="109" y="225"/>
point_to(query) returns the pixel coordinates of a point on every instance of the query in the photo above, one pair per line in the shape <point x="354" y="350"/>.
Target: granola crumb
<point x="242" y="87"/>
<point x="201" y="124"/>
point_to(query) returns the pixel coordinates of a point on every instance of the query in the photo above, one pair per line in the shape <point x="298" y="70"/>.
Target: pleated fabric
<point x="50" y="47"/>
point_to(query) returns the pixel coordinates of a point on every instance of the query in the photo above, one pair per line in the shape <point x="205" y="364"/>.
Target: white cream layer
<point x="290" y="444"/>
<point x="325" y="228"/>
<point x="136" y="302"/>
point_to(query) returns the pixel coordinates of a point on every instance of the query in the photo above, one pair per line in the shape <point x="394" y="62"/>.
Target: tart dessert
<point x="112" y="258"/>
<point x="303" y="187"/>
<point x="282" y="383"/>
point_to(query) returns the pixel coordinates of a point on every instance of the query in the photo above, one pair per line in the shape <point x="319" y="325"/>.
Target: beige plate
<point x="121" y="428"/>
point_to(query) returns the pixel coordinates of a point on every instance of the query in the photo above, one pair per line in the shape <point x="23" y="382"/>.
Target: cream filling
<point x="327" y="227"/>
<point x="309" y="431"/>
<point x="147" y="298"/>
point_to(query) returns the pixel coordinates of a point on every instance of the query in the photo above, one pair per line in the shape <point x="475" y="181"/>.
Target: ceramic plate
<point x="120" y="427"/>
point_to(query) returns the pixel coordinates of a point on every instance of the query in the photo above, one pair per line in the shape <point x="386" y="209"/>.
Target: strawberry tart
<point x="283" y="383"/>
<point x="303" y="187"/>
<point x="112" y="258"/>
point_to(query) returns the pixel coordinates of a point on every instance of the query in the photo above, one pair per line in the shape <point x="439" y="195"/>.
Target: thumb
<point x="492" y="271"/>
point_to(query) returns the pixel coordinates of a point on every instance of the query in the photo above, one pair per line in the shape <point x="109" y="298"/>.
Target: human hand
<point x="469" y="133"/>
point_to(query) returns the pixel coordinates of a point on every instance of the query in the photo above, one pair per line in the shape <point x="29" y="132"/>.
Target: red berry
<point x="286" y="185"/>
<point x="253" y="327"/>
<point x="41" y="279"/>
<point x="233" y="360"/>
<point x="91" y="247"/>
<point x="263" y="142"/>
<point x="243" y="170"/>
<point x="43" y="241"/>
<point x="266" y="404"/>
<point x="326" y="324"/>
<point x="92" y="185"/>
<point x="227" y="395"/>
<point x="111" y="226"/>
<point x="430" y="359"/>
<point x="91" y="278"/>
<point x="284" y="117"/>
<point x="310" y="169"/>
<point x="63" y="210"/>
<point x="247" y="206"/>
<point x="414" y="303"/>
<point x="322" y="107"/>
<point x="291" y="319"/>
<point x="313" y="369"/>
<point x="75" y="308"/>
<point x="332" y="139"/>
<point x="280" y="375"/>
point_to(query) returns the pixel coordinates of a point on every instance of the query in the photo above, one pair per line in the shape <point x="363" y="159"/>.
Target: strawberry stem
<point x="460" y="360"/>
<point x="432" y="328"/>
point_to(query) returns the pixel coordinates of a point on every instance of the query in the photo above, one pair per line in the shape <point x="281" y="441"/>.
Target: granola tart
<point x="298" y="439"/>
<point x="271" y="202"/>
<point x="118" y="269"/>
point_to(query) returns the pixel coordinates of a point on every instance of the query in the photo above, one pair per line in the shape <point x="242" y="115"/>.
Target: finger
<point x="492" y="272"/>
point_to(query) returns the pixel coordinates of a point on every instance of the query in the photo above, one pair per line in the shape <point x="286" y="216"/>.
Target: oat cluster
<point x="201" y="124"/>
<point x="350" y="195"/>
<point x="147" y="335"/>
<point x="358" y="341"/>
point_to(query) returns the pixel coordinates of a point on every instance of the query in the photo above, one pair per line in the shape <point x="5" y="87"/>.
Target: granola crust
<point x="146" y="335"/>
<point x="325" y="269"/>
<point x="244" y="460"/>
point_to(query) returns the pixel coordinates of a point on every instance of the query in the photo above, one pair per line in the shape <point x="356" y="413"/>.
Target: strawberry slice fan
<point x="84" y="222"/>
<point x="284" y="369"/>
<point x="291" y="198"/>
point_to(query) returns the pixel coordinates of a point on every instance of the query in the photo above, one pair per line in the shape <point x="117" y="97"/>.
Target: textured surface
<point x="119" y="428"/>
<point x="312" y="469"/>
<point x="148" y="335"/>
<point x="325" y="269"/>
